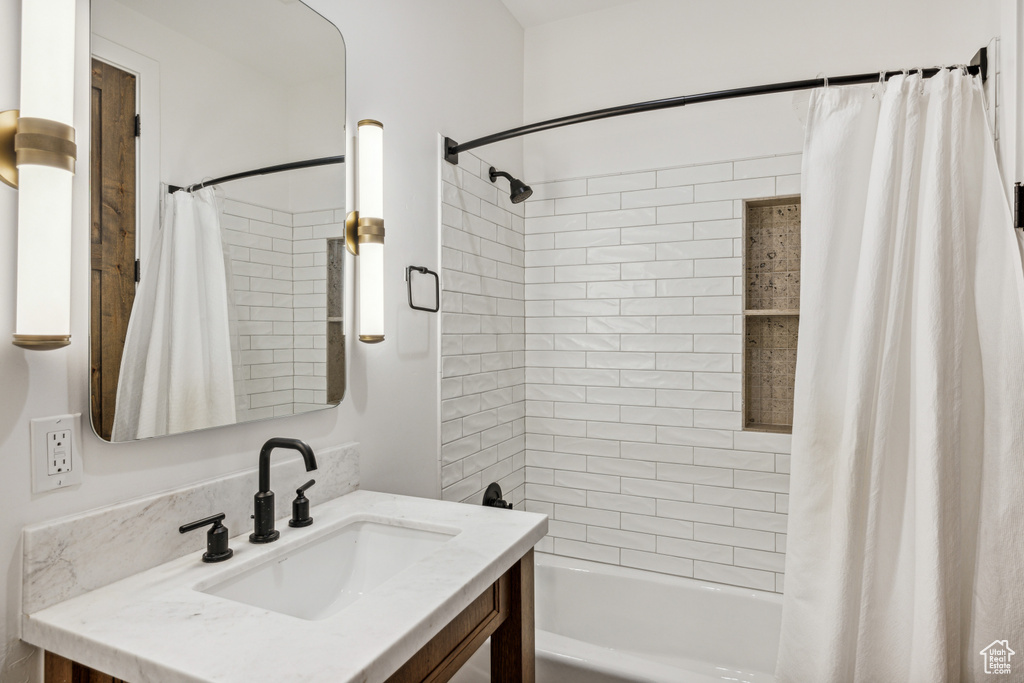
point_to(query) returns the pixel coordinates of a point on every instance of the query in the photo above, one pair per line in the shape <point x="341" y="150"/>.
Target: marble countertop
<point x="156" y="627"/>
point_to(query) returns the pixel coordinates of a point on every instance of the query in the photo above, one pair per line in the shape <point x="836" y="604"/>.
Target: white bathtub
<point x="598" y="623"/>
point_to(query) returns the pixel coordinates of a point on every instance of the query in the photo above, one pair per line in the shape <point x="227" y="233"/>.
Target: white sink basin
<point x="321" y="578"/>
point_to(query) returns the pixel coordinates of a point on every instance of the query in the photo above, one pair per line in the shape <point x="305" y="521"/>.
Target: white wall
<point x="422" y="69"/>
<point x="662" y="48"/>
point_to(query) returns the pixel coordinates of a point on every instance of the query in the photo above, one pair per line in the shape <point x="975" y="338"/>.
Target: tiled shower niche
<point x="771" y="312"/>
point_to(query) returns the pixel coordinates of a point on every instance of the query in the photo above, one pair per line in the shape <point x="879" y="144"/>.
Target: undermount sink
<point x="321" y="578"/>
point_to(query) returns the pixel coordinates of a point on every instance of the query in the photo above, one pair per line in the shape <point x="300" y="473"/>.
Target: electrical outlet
<point x="56" y="456"/>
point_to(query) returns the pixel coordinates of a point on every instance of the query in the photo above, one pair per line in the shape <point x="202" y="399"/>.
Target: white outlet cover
<point x="41" y="479"/>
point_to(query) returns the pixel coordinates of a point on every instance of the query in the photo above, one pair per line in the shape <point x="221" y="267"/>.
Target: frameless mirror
<point x="221" y="302"/>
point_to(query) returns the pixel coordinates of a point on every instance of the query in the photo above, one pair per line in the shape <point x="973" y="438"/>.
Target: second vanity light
<point x="364" y="231"/>
<point x="37" y="155"/>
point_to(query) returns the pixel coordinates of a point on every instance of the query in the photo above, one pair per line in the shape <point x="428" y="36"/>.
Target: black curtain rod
<point x="309" y="163"/>
<point x="979" y="65"/>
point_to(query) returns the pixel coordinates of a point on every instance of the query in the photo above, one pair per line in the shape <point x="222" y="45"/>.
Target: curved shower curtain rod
<point x="979" y="65"/>
<point x="291" y="166"/>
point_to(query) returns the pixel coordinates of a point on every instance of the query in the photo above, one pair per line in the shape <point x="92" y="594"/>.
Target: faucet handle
<point x="217" y="549"/>
<point x="300" y="507"/>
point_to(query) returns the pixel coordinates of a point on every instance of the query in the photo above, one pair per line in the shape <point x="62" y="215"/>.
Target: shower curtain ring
<point x="824" y="77"/>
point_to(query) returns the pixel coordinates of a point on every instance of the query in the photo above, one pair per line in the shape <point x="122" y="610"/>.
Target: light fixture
<point x="364" y="231"/>
<point x="37" y="156"/>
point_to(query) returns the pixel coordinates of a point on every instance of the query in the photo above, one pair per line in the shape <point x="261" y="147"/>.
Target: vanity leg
<point x="512" y="645"/>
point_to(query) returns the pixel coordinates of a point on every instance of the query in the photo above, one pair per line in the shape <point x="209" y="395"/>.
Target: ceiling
<point x="536" y="12"/>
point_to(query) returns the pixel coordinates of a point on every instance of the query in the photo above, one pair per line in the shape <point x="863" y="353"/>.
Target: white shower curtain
<point x="176" y="371"/>
<point x="905" y="554"/>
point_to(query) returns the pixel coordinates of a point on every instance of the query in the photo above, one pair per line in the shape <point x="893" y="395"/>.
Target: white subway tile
<point x="728" y="535"/>
<point x="688" y="213"/>
<point x="622" y="432"/>
<point x="649" y="270"/>
<point x="622" y="325"/>
<point x="787" y="184"/>
<point x="710" y="230"/>
<point x="657" y="306"/>
<point x="620" y="289"/>
<point x="660" y="197"/>
<point x="657" y="563"/>
<point x="764" y="441"/>
<point x="586" y="551"/>
<point x="763" y="521"/>
<point x="621" y="183"/>
<point x="573" y="221"/>
<point x="621" y="539"/>
<point x="620" y="503"/>
<point x="624" y="218"/>
<point x="554" y="257"/>
<point x="669" y="232"/>
<point x="767" y="166"/>
<point x="555" y="190"/>
<point x="660" y="526"/>
<point x="735" y="189"/>
<point x="586" y="238"/>
<point x="588" y="273"/>
<point x="587" y="204"/>
<point x="763" y="481"/>
<point x="681" y="547"/>
<point x="622" y="254"/>
<point x="734" y="576"/>
<point x="589" y="516"/>
<point x="697" y="249"/>
<point x="759" y="559"/>
<point x="657" y="452"/>
<point x="689" y="175"/>
<point x="671" y="417"/>
<point x="586" y="342"/>
<point x="588" y="481"/>
<point x="586" y="411"/>
<point x="586" y="446"/>
<point x="714" y="476"/>
<point x="556" y="494"/>
<point x="586" y="377"/>
<point x="656" y="379"/>
<point x="695" y="512"/>
<point x="734" y="498"/>
<point x="651" y="488"/>
<point x="555" y="460"/>
<point x="560" y="529"/>
<point x="586" y="307"/>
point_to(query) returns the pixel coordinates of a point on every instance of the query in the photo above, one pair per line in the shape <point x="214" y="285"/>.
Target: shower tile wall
<point x="634" y="445"/>
<point x="279" y="265"/>
<point x="482" y="326"/>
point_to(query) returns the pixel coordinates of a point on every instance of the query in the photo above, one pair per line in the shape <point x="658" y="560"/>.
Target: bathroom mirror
<point x="219" y="304"/>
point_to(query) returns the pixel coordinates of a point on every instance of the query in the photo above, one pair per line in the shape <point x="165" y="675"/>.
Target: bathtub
<point x="599" y="623"/>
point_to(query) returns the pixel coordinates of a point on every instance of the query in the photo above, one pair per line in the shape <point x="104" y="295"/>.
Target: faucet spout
<point x="280" y="442"/>
<point x="263" y="502"/>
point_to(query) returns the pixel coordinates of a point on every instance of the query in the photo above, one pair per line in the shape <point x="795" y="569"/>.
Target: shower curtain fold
<point x="176" y="370"/>
<point x="905" y="549"/>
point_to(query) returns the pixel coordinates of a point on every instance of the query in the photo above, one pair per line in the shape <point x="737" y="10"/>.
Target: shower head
<point x="518" y="190"/>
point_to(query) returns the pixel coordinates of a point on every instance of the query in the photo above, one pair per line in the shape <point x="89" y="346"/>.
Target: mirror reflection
<point x="217" y="213"/>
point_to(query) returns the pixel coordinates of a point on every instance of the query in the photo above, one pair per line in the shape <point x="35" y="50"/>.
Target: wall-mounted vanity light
<point x="364" y="231"/>
<point x="37" y="156"/>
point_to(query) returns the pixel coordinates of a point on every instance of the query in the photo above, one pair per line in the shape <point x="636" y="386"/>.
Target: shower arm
<point x="452" y="149"/>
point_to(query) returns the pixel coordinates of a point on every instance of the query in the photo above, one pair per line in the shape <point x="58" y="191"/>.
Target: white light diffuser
<point x="371" y="231"/>
<point x="44" y="197"/>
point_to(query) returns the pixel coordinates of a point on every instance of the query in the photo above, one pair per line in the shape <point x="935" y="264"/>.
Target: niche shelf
<point x="771" y="293"/>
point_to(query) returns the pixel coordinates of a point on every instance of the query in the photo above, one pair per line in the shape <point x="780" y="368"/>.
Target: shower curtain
<point x="176" y="371"/>
<point x="905" y="554"/>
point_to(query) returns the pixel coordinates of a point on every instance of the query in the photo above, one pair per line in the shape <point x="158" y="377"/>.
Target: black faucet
<point x="263" y="505"/>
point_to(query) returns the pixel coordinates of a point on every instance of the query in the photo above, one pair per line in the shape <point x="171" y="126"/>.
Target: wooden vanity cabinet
<point x="504" y="613"/>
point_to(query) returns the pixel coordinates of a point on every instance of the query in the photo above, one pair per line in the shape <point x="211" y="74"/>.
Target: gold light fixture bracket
<point x="41" y="342"/>
<point x="8" y="159"/>
<point x="352" y="233"/>
<point x="43" y="142"/>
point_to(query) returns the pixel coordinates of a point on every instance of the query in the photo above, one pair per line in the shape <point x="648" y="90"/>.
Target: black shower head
<point x="518" y="190"/>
